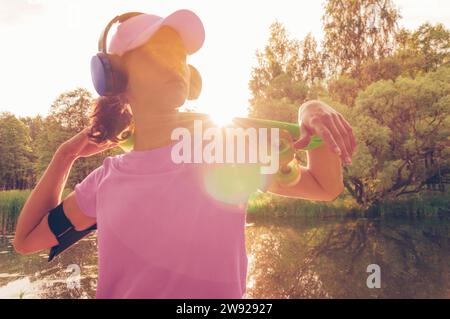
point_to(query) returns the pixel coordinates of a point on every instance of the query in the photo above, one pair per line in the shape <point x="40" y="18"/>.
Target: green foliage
<point x="424" y="49"/>
<point x="70" y="110"/>
<point x="357" y="31"/>
<point x="419" y="205"/>
<point x="415" y="206"/>
<point x="11" y="203"/>
<point x="15" y="149"/>
<point x="287" y="74"/>
<point x="28" y="144"/>
<point x="266" y="204"/>
<point x="344" y="90"/>
<point x="402" y="127"/>
<point x="391" y="85"/>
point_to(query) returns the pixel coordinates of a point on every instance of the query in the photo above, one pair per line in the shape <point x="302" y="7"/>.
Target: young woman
<point x="162" y="232"/>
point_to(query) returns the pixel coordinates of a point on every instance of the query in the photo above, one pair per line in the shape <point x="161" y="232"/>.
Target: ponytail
<point x="111" y="119"/>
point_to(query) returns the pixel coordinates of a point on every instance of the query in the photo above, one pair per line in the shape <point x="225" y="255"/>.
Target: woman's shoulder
<point x="112" y="158"/>
<point x="111" y="161"/>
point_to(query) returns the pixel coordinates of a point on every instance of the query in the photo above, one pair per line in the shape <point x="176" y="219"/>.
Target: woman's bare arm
<point x="45" y="196"/>
<point x="32" y="231"/>
<point x="322" y="179"/>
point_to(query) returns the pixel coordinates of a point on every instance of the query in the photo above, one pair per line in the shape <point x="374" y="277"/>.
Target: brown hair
<point x="111" y="119"/>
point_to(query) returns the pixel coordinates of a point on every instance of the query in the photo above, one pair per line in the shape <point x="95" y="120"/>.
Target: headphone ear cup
<point x="101" y="74"/>
<point x="108" y="75"/>
<point x="195" y="83"/>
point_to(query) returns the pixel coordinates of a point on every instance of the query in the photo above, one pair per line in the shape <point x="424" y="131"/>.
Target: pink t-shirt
<point x="168" y="230"/>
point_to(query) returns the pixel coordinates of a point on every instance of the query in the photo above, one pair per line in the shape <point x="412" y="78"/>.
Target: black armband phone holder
<point x="64" y="231"/>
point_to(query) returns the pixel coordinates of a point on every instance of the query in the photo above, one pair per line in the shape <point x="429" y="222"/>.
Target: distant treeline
<point x="27" y="144"/>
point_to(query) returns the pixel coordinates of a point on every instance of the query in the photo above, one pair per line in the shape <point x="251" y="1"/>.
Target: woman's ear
<point x="195" y="83"/>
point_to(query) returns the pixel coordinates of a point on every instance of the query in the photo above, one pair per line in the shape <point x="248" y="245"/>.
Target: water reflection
<point x="288" y="258"/>
<point x="297" y="258"/>
<point x="33" y="277"/>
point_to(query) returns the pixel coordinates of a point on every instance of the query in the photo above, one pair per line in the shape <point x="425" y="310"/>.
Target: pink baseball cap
<point x="136" y="31"/>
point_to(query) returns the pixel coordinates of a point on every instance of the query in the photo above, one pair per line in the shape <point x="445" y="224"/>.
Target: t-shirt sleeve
<point x="86" y="191"/>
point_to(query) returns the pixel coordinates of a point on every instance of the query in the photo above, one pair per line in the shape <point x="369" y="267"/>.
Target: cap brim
<point x="185" y="22"/>
<point x="190" y="28"/>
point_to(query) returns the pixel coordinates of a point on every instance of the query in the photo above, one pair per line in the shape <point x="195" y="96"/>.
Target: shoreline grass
<point x="421" y="205"/>
<point x="11" y="203"/>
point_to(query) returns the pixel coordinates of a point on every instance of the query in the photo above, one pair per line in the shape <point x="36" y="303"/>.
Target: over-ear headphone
<point x="110" y="77"/>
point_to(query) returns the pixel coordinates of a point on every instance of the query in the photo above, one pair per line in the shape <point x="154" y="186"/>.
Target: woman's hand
<point x="81" y="146"/>
<point x="317" y="118"/>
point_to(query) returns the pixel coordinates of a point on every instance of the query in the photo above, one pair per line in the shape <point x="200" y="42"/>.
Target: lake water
<point x="288" y="258"/>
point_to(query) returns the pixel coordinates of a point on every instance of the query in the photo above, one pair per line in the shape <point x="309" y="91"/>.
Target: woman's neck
<point x="154" y="129"/>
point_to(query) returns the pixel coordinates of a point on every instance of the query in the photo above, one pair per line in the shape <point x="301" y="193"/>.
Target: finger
<point x="77" y="142"/>
<point x="345" y="135"/>
<point x="329" y="123"/>
<point x="93" y="148"/>
<point x="350" y="132"/>
<point x="328" y="138"/>
<point x="304" y="139"/>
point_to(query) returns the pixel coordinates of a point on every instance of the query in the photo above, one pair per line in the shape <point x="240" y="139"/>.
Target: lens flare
<point x="233" y="183"/>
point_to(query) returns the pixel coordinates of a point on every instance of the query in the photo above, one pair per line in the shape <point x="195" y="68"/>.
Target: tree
<point x="35" y="126"/>
<point x="416" y="52"/>
<point x="402" y="127"/>
<point x="69" y="115"/>
<point x="357" y="31"/>
<point x="15" y="150"/>
<point x="311" y="61"/>
<point x="425" y="49"/>
<point x="71" y="109"/>
<point x="344" y="90"/>
<point x="286" y="71"/>
<point x="388" y="68"/>
<point x="28" y="144"/>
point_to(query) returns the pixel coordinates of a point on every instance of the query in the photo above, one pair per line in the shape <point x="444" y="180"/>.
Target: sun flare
<point x="221" y="118"/>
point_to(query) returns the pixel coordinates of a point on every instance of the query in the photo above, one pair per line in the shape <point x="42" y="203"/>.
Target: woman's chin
<point x="173" y="103"/>
<point x="176" y="98"/>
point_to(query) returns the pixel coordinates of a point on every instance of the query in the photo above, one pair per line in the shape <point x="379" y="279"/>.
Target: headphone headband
<point x="104" y="36"/>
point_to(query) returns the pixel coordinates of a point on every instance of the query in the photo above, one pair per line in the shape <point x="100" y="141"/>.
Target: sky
<point x="47" y="44"/>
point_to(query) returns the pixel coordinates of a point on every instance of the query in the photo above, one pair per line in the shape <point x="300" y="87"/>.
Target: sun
<point x="220" y="115"/>
<point x="220" y="118"/>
